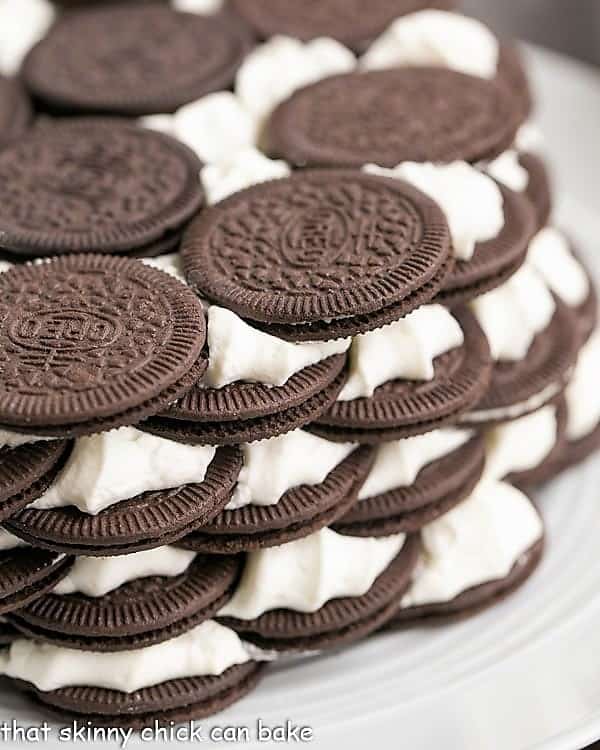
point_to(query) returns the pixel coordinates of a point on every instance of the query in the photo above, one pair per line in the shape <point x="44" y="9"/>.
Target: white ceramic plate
<point x="523" y="675"/>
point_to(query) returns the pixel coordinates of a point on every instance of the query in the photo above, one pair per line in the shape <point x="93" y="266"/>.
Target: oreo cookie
<point x="151" y="519"/>
<point x="403" y="408"/>
<point x="15" y="110"/>
<point x="438" y="487"/>
<point x="27" y="573"/>
<point x="520" y="387"/>
<point x="473" y="600"/>
<point x="136" y="614"/>
<point x="275" y="410"/>
<point x="132" y="60"/>
<point x="338" y="19"/>
<point x="26" y="472"/>
<point x="90" y="342"/>
<point x="495" y="260"/>
<point x="318" y="246"/>
<point x="96" y="185"/>
<point x="301" y="511"/>
<point x="338" y="622"/>
<point x="423" y="114"/>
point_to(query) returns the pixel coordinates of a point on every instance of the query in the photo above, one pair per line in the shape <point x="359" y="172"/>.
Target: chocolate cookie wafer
<point x="26" y="572"/>
<point x="15" y="110"/>
<point x="338" y="19"/>
<point x="26" y="471"/>
<point x="423" y="114"/>
<point x="403" y="407"/>
<point x="98" y="185"/>
<point x="299" y="511"/>
<point x="539" y="189"/>
<point x="132" y="60"/>
<point x="165" y="592"/>
<point x="318" y="246"/>
<point x="438" y="486"/>
<point x="188" y="677"/>
<point x="321" y="621"/>
<point x="90" y="342"/>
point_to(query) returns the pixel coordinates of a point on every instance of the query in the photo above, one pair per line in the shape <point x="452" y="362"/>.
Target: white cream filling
<point x="404" y="349"/>
<point x="272" y="467"/>
<point x="521" y="444"/>
<point x="470" y="200"/>
<point x="96" y="576"/>
<point x="170" y="264"/>
<point x="275" y="69"/>
<point x="397" y="464"/>
<point x="436" y="38"/>
<point x="8" y="541"/>
<point x="216" y="126"/>
<point x="533" y="403"/>
<point x="477" y="541"/>
<point x="10" y="439"/>
<point x="549" y="254"/>
<point x="113" y="466"/>
<point x="22" y="24"/>
<point x="208" y="649"/>
<point x="583" y="391"/>
<point x="5" y="265"/>
<point x="514" y="313"/>
<point x="529" y="138"/>
<point x="507" y="169"/>
<point x="202" y="7"/>
<point x="305" y="574"/>
<point x="240" y="352"/>
<point x="238" y="171"/>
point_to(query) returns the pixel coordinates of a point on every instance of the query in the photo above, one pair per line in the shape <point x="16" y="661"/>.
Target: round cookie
<point x="166" y="704"/>
<point x="138" y="613"/>
<point x="96" y="185"/>
<point x="422" y="114"/>
<point x="343" y="20"/>
<point x="15" y="110"/>
<point x="27" y="573"/>
<point x="495" y="260"/>
<point x="89" y="341"/>
<point x="340" y="621"/>
<point x="439" y="486"/>
<point x="539" y="189"/>
<point x="149" y="520"/>
<point x="299" y="512"/>
<point x="473" y="600"/>
<point x="317" y="246"/>
<point x="132" y="60"/>
<point x="536" y="379"/>
<point x="402" y="408"/>
<point x="26" y="472"/>
<point x="281" y="413"/>
<point x="512" y="74"/>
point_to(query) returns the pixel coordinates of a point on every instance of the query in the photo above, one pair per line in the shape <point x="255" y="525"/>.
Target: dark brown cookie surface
<point x="95" y="185"/>
<point x="166" y="704"/>
<point x="15" y="110"/>
<point x="389" y="116"/>
<point x="149" y="520"/>
<point x="401" y="408"/>
<point x="27" y="573"/>
<point x="299" y="512"/>
<point x="493" y="259"/>
<point x="439" y="486"/>
<point x="133" y="60"/>
<point x="138" y="613"/>
<point x="340" y="621"/>
<point x="344" y="20"/>
<point x="315" y="246"/>
<point x="539" y="189"/>
<point x="26" y="472"/>
<point x="87" y="337"/>
<point x="526" y="385"/>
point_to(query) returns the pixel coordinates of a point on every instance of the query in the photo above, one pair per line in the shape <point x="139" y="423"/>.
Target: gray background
<point x="571" y="26"/>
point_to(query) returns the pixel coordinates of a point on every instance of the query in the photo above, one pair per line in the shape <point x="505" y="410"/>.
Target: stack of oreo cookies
<point x="286" y="330"/>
